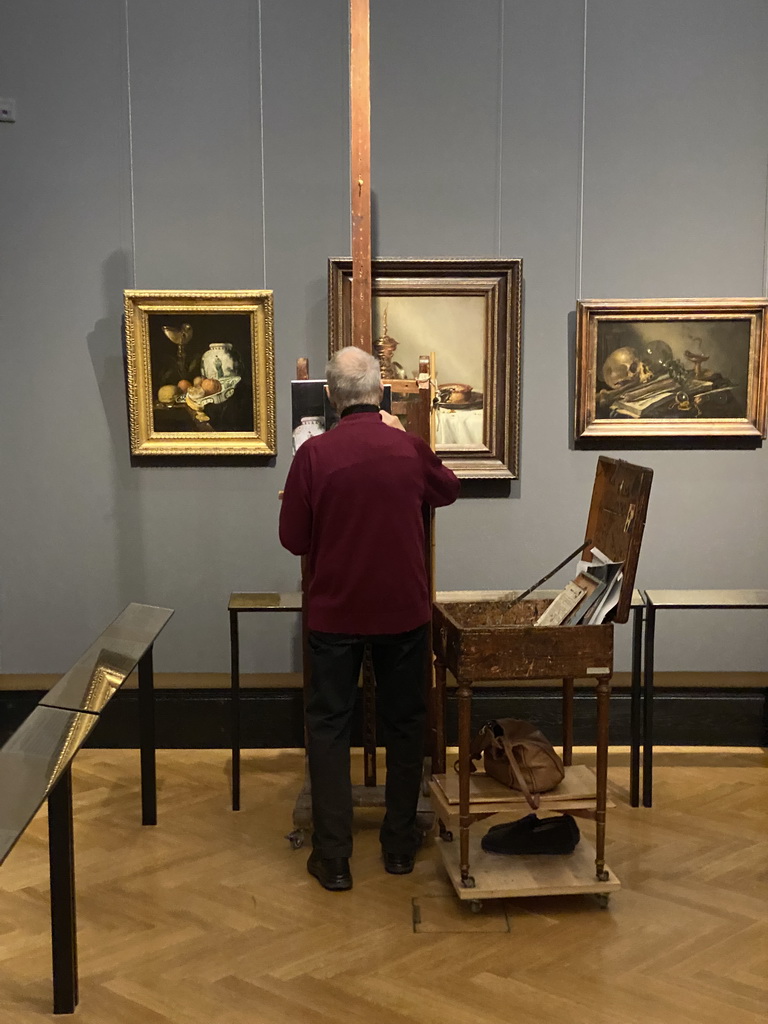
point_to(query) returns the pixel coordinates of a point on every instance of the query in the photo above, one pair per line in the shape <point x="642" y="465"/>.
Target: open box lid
<point x="617" y="519"/>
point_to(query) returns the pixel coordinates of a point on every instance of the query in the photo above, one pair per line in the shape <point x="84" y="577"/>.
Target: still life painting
<point x="200" y="369"/>
<point x="666" y="368"/>
<point x="466" y="312"/>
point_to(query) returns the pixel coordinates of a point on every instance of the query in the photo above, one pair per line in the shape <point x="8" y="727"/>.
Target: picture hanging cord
<point x="499" y="180"/>
<point x="261" y="139"/>
<point x="130" y="148"/>
<point x="580" y="240"/>
<point x="765" y="234"/>
<point x="130" y="142"/>
<point x="349" y="120"/>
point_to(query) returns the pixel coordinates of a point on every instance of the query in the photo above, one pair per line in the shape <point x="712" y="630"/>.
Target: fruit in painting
<point x="167" y="393"/>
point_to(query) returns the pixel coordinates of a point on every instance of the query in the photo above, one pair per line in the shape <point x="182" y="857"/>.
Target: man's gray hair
<point x="354" y="378"/>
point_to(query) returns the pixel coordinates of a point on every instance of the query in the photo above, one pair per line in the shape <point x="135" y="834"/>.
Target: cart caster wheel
<point x="475" y="906"/>
<point x="468" y="883"/>
<point x="447" y="836"/>
<point x="296" y="838"/>
<point x="603" y="899"/>
<point x="425" y="821"/>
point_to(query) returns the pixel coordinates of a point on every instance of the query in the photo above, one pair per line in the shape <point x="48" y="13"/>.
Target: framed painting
<point x="201" y="372"/>
<point x="671" y="368"/>
<point x="468" y="312"/>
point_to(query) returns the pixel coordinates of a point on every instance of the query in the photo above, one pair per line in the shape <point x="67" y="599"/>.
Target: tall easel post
<point x="360" y="210"/>
<point x="360" y="166"/>
<point x="418" y="412"/>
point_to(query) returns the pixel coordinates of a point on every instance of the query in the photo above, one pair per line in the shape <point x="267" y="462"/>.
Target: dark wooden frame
<point x="500" y="281"/>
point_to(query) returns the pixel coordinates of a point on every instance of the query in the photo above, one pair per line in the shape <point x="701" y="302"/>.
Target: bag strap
<point x="479" y="745"/>
<point x="534" y="800"/>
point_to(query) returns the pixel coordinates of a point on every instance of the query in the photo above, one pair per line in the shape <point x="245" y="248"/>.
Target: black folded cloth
<point x="533" y="835"/>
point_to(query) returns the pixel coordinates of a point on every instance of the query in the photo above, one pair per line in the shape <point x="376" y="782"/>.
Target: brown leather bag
<point x="518" y="755"/>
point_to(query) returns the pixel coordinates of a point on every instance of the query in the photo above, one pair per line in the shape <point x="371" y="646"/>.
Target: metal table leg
<point x="464" y="696"/>
<point x="634" y="707"/>
<point x="61" y="853"/>
<point x="438" y="756"/>
<point x="650" y="635"/>
<point x="568" y="721"/>
<point x="234" y="642"/>
<point x="369" y="719"/>
<point x="601" y="771"/>
<point x="147" y="740"/>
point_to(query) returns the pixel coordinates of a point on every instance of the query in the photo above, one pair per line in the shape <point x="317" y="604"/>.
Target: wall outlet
<point x="7" y="110"/>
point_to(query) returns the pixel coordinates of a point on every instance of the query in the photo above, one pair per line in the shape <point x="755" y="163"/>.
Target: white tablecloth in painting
<point x="459" y="426"/>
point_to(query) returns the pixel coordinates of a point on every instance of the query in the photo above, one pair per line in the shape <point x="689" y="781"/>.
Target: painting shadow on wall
<point x="109" y="371"/>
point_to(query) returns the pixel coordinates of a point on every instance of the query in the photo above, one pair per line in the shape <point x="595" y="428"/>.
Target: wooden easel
<point x="412" y="400"/>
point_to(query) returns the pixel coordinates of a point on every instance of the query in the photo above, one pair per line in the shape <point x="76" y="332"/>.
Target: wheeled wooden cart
<point x="489" y="637"/>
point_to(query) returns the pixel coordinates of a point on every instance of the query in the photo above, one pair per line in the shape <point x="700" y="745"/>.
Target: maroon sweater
<point x="353" y="504"/>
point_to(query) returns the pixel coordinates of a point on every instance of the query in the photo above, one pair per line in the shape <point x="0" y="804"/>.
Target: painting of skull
<point x="671" y="367"/>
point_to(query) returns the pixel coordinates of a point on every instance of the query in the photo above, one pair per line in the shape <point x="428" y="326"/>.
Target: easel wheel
<point x="296" y="838"/>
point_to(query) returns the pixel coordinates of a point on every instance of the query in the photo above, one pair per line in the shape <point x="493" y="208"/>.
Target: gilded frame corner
<point x="181" y="427"/>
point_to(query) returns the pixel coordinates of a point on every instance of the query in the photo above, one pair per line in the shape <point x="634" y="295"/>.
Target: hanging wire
<point x="499" y="180"/>
<point x="765" y="239"/>
<point x="130" y="141"/>
<point x="580" y="245"/>
<point x="261" y="134"/>
<point x="349" y="112"/>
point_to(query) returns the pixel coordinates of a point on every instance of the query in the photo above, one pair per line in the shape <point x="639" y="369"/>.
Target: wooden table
<point x="656" y="600"/>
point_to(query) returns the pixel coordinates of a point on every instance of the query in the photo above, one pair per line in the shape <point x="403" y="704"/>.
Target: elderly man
<point x="353" y="497"/>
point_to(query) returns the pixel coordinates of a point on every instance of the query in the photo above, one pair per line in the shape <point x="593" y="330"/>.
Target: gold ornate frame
<point x="145" y="440"/>
<point x="499" y="281"/>
<point x="592" y="312"/>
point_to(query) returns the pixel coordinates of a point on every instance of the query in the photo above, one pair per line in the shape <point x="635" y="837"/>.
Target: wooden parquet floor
<point x="211" y="916"/>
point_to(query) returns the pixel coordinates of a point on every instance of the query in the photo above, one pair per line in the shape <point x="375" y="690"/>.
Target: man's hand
<point x="390" y="420"/>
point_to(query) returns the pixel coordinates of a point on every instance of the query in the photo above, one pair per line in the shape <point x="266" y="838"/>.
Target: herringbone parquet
<point x="211" y="917"/>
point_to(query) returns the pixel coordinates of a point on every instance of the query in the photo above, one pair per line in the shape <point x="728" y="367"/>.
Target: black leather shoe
<point x="398" y="863"/>
<point x="331" y="872"/>
<point x="533" y="835"/>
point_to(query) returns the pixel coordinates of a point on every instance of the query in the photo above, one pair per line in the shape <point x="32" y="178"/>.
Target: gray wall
<point x="477" y="151"/>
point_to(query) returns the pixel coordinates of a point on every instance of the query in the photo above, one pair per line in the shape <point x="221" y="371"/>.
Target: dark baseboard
<point x="273" y="717"/>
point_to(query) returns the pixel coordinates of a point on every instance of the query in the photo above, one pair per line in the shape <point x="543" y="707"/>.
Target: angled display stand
<point x="35" y="764"/>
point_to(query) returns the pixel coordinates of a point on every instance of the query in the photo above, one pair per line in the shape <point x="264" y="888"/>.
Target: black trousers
<point x="399" y="662"/>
